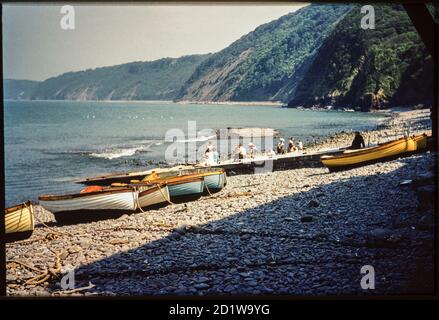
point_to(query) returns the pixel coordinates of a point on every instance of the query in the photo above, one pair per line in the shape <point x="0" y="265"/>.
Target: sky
<point x="35" y="47"/>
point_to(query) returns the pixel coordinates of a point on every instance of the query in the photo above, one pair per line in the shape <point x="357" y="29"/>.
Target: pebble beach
<point x="301" y="232"/>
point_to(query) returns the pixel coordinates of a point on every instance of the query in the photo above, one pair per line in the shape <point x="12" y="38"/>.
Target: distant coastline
<point x="240" y="103"/>
<point x="234" y="103"/>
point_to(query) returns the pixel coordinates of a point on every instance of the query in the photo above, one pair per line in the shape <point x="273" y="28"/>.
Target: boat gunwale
<point x="181" y="180"/>
<point x="23" y="205"/>
<point x="145" y="173"/>
<point x="198" y="174"/>
<point x="151" y="190"/>
<point x="86" y="194"/>
<point x="367" y="150"/>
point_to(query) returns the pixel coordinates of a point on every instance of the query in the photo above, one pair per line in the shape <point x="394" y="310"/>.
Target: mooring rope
<point x="49" y="273"/>
<point x="207" y="188"/>
<point x="164" y="196"/>
<point x="49" y="236"/>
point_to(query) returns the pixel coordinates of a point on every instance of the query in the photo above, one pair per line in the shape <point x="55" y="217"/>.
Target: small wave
<point x="116" y="153"/>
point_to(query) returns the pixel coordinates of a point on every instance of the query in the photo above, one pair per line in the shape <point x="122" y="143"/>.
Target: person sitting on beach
<point x="300" y="146"/>
<point x="358" y="142"/>
<point x="291" y="146"/>
<point x="252" y="149"/>
<point x="280" y="148"/>
<point x="209" y="147"/>
<point x="236" y="153"/>
<point x="241" y="151"/>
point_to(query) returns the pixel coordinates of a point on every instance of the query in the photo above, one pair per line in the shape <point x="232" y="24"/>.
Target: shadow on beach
<point x="88" y="216"/>
<point x="312" y="242"/>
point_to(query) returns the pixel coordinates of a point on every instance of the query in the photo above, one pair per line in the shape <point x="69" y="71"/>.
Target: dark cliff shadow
<point x="313" y="242"/>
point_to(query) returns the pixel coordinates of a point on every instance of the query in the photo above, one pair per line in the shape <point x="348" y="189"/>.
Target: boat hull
<point x="114" y="200"/>
<point x="215" y="181"/>
<point x="361" y="157"/>
<point x="107" y="180"/>
<point x="152" y="196"/>
<point x="19" y="222"/>
<point x="19" y="218"/>
<point x="186" y="188"/>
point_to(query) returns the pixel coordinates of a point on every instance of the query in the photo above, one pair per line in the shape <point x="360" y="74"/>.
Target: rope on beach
<point x="207" y="188"/>
<point x="10" y="265"/>
<point x="49" y="273"/>
<point x="138" y="204"/>
<point x="161" y="191"/>
<point x="54" y="234"/>
<point x="164" y="197"/>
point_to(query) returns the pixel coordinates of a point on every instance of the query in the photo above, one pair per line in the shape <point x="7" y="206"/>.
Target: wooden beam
<point x="428" y="31"/>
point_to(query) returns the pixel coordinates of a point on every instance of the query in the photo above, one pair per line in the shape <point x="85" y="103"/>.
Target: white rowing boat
<point x="115" y="199"/>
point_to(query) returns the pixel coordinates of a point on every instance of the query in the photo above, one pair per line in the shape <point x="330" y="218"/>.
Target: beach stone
<point x="10" y="277"/>
<point x="406" y="182"/>
<point x="229" y="288"/>
<point x="246" y="236"/>
<point x="306" y="218"/>
<point x="202" y="279"/>
<point x="201" y="286"/>
<point x="313" y="204"/>
<point x="379" y="237"/>
<point x="175" y="235"/>
<point x="74" y="249"/>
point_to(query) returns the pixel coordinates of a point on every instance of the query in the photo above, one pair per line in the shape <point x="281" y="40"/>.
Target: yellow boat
<point x="386" y="151"/>
<point x="421" y="141"/>
<point x="19" y="221"/>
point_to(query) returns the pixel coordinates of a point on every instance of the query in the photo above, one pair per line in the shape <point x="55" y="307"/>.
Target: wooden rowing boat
<point x="385" y="151"/>
<point x="214" y="178"/>
<point x="19" y="218"/>
<point x="112" y="199"/>
<point x="106" y="180"/>
<point x="19" y="221"/>
<point x="181" y="186"/>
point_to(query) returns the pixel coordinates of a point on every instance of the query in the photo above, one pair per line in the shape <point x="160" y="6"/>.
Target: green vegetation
<point x="155" y="80"/>
<point x="266" y="63"/>
<point x="18" y="89"/>
<point x="369" y="69"/>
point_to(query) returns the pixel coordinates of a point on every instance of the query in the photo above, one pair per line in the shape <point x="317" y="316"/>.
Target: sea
<point x="49" y="145"/>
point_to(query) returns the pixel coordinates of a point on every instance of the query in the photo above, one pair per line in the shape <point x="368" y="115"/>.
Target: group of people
<point x="241" y="152"/>
<point x="292" y="146"/>
<point x="211" y="156"/>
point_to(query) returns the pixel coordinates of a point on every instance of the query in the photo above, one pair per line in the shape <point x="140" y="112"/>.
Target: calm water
<point x="50" y="144"/>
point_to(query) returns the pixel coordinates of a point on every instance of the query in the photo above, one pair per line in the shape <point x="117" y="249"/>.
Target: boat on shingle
<point x="19" y="221"/>
<point x="383" y="152"/>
